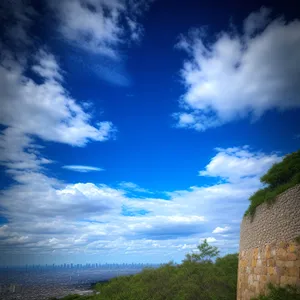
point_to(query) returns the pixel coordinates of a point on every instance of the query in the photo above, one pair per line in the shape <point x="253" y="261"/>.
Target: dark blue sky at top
<point x="140" y="93"/>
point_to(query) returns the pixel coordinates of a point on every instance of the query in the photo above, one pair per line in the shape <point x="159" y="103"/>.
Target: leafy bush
<point x="279" y="293"/>
<point x="279" y="178"/>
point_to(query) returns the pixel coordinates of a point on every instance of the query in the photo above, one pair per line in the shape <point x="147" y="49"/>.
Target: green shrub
<point x="281" y="293"/>
<point x="279" y="178"/>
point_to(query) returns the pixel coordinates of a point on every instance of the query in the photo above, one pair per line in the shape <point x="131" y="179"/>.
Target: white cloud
<point x="45" y="109"/>
<point x="240" y="75"/>
<point x="130" y="186"/>
<point x="82" y="169"/>
<point x="257" y="21"/>
<point x="235" y="163"/>
<point x="87" y="218"/>
<point x="99" y="26"/>
<point x="19" y="152"/>
<point x="221" y="229"/>
<point x="46" y="66"/>
<point x="48" y="198"/>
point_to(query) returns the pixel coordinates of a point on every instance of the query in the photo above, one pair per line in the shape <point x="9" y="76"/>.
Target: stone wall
<point x="268" y="250"/>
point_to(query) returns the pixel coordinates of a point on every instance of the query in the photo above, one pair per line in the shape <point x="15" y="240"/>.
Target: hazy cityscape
<point x="46" y="281"/>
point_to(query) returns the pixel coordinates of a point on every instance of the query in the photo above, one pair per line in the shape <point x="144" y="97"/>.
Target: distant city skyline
<point x="84" y="265"/>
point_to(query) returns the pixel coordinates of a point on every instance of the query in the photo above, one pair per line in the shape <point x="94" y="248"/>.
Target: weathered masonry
<point x="268" y="249"/>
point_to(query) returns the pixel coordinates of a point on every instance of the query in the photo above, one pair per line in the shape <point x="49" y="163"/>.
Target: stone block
<point x="268" y="253"/>
<point x="281" y="254"/>
<point x="271" y="270"/>
<point x="252" y="288"/>
<point x="271" y="263"/>
<point x="263" y="278"/>
<point x="259" y="263"/>
<point x="283" y="245"/>
<point x="284" y="280"/>
<point x="290" y="264"/>
<point x="280" y="263"/>
<point x="255" y="253"/>
<point x="264" y="271"/>
<point x="293" y="271"/>
<point x="281" y="271"/>
<point x="292" y="280"/>
<point x="291" y="256"/>
<point x="292" y="248"/>
<point x="274" y="279"/>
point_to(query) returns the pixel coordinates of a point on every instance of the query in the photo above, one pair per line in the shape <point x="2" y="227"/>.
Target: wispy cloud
<point x="99" y="26"/>
<point x="83" y="169"/>
<point x="240" y="163"/>
<point x="130" y="186"/>
<point x="45" y="109"/>
<point x="221" y="229"/>
<point x="240" y="75"/>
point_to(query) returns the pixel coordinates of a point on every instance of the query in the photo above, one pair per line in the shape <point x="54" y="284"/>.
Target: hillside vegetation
<point x="279" y="178"/>
<point x="198" y="277"/>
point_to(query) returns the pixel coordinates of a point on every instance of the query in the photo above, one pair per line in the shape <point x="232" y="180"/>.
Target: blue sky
<point x="132" y="130"/>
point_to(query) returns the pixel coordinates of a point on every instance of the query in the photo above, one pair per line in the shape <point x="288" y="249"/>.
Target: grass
<point x="280" y="177"/>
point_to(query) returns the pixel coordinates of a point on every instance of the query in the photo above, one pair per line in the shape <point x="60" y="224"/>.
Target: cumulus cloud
<point x="235" y="163"/>
<point x="240" y="75"/>
<point x="99" y="26"/>
<point x="45" y="109"/>
<point x="82" y="169"/>
<point x="221" y="229"/>
<point x="167" y="227"/>
<point x="49" y="198"/>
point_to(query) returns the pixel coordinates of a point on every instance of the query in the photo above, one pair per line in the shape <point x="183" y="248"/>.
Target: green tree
<point x="206" y="253"/>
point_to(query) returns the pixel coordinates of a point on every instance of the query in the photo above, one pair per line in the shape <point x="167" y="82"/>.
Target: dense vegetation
<point x="279" y="293"/>
<point x="279" y="178"/>
<point x="198" y="277"/>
